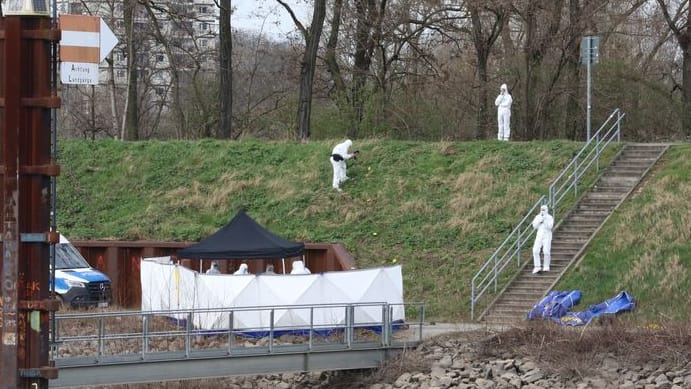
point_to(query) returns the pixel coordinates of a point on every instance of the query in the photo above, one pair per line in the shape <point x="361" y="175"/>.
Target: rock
<point x="445" y="361"/>
<point x="402" y="380"/>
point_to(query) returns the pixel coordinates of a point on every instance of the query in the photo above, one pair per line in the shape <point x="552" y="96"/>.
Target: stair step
<point x="578" y="217"/>
<point x="568" y="240"/>
<point x="573" y="226"/>
<point x="517" y="312"/>
<point x="564" y="237"/>
<point x="518" y="303"/>
<point x="520" y="297"/>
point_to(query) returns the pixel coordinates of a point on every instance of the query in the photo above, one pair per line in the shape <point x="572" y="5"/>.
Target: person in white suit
<point x="213" y="269"/>
<point x="503" y="103"/>
<point x="543" y="224"/>
<point x="299" y="268"/>
<point x="242" y="269"/>
<point x="339" y="155"/>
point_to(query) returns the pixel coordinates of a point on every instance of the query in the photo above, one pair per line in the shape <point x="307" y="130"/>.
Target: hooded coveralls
<point x="503" y="103"/>
<point x="543" y="223"/>
<point x="242" y="269"/>
<point x="338" y="158"/>
<point x="299" y="268"/>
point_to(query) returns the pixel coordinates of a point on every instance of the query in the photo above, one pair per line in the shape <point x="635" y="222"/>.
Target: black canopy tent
<point x="243" y="238"/>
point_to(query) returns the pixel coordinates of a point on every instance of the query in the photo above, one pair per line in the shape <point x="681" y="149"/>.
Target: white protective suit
<point x="299" y="268"/>
<point x="503" y="103"/>
<point x="339" y="155"/>
<point x="543" y="223"/>
<point x="269" y="269"/>
<point x="213" y="269"/>
<point x="242" y="269"/>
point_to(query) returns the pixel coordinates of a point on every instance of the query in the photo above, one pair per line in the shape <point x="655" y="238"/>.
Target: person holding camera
<point x="339" y="155"/>
<point x="503" y="103"/>
<point x="543" y="223"/>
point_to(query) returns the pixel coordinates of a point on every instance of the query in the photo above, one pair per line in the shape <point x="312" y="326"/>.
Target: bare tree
<point x="679" y="22"/>
<point x="130" y="127"/>
<point x="309" y="63"/>
<point x="488" y="20"/>
<point x="225" y="60"/>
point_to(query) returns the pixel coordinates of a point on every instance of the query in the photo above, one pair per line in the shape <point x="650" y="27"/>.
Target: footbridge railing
<point x="140" y="346"/>
<point x="496" y="272"/>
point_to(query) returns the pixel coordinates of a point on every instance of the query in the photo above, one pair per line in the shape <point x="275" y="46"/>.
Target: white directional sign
<point x="85" y="42"/>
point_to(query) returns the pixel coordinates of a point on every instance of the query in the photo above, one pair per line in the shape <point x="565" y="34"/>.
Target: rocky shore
<point x="540" y="356"/>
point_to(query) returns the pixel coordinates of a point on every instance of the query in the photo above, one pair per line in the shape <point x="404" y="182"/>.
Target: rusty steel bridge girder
<point x="27" y="96"/>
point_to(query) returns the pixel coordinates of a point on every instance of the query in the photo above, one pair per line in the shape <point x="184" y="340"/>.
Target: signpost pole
<point x="589" y="56"/>
<point x="588" y="43"/>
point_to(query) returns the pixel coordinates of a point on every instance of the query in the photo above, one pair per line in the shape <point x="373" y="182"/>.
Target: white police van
<point x="77" y="284"/>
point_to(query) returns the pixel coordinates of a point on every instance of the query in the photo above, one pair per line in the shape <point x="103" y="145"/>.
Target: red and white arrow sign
<point x="85" y="42"/>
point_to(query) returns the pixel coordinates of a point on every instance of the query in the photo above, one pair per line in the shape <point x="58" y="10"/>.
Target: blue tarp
<point x="556" y="306"/>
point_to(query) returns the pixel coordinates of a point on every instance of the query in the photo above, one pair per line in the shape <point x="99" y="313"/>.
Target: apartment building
<point x="180" y="34"/>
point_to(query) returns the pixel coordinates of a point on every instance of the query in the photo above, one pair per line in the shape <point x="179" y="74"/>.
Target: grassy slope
<point x="439" y="209"/>
<point x="645" y="248"/>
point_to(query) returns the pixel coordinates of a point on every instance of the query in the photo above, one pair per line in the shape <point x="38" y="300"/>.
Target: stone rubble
<point x="454" y="362"/>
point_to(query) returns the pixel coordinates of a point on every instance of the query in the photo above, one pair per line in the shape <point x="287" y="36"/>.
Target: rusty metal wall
<point x="120" y="261"/>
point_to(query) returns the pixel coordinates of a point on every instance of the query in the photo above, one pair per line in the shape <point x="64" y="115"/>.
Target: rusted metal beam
<point x="26" y="88"/>
<point x="10" y="87"/>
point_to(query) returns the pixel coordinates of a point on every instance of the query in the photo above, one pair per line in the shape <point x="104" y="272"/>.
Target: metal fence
<point x="495" y="273"/>
<point x="88" y="338"/>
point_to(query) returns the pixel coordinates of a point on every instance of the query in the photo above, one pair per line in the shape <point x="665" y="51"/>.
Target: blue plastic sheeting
<point x="256" y="334"/>
<point x="555" y="306"/>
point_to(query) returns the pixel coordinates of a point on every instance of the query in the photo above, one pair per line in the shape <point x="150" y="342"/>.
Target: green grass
<point x="438" y="208"/>
<point x="644" y="248"/>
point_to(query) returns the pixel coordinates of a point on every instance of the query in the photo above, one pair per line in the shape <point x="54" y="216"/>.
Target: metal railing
<point x="146" y="336"/>
<point x="585" y="162"/>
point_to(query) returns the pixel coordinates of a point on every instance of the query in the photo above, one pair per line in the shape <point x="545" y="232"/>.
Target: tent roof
<point x="243" y="238"/>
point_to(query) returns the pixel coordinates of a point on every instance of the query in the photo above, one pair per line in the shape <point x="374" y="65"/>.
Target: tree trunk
<point x="685" y="45"/>
<point x="309" y="61"/>
<point x="530" y="59"/>
<point x="683" y="35"/>
<point x="367" y="34"/>
<point x="483" y="43"/>
<point x="113" y="99"/>
<point x="330" y="57"/>
<point x="225" y="121"/>
<point x="130" y="129"/>
<point x="178" y="111"/>
<point x="539" y="34"/>
<point x="572" y="122"/>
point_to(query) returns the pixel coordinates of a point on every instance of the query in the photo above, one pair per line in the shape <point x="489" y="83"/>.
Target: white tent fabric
<point x="167" y="286"/>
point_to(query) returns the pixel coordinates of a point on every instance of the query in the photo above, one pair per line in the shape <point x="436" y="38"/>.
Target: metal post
<point x="145" y="336"/>
<point x="26" y="100"/>
<point x="587" y="67"/>
<point x="188" y="335"/>
<point x="271" y="330"/>
<point x="101" y="339"/>
<point x="310" y="342"/>
<point x="589" y="55"/>
<point x="231" y="337"/>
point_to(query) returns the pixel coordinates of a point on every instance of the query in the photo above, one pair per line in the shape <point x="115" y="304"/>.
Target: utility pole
<point x="589" y="55"/>
<point x="27" y="99"/>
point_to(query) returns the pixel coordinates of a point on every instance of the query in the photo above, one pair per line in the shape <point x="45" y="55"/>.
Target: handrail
<point x="140" y="336"/>
<point x="584" y="162"/>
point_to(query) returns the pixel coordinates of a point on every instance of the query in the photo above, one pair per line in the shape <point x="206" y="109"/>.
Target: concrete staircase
<point x="574" y="233"/>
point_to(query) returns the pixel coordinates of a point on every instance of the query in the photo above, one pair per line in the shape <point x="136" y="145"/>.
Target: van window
<point x="68" y="257"/>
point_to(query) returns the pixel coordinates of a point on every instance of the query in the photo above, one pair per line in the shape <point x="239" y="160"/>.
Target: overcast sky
<point x="268" y="16"/>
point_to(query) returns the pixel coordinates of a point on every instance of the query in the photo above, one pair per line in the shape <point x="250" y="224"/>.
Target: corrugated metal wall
<point x="120" y="261"/>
